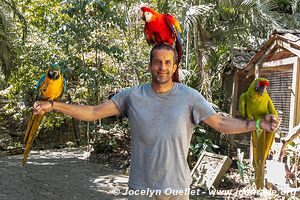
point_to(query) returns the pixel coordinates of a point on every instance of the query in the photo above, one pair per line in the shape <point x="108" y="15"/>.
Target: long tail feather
<point x="31" y="133"/>
<point x="268" y="143"/>
<point x="258" y="159"/>
<point x="261" y="148"/>
<point x="178" y="47"/>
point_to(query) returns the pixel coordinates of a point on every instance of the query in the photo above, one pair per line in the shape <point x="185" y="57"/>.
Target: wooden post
<point x="297" y="100"/>
<point x="88" y="136"/>
<point x="233" y="106"/>
<point x="234" y="94"/>
<point x="74" y="123"/>
<point x="256" y="70"/>
<point x="293" y="97"/>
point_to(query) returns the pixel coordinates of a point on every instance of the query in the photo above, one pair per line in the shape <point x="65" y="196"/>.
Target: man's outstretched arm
<point x="81" y="112"/>
<point x="228" y="125"/>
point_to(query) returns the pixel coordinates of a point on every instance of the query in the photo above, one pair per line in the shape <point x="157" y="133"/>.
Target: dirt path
<point x="62" y="174"/>
<point x="58" y="174"/>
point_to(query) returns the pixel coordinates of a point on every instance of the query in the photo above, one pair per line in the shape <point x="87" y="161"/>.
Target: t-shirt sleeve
<point x="121" y="100"/>
<point x="201" y="108"/>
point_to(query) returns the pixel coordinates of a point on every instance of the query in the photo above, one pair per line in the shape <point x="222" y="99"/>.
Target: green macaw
<point x="254" y="105"/>
<point x="50" y="87"/>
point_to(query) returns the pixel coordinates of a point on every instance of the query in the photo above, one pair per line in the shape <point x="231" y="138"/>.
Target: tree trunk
<point x="88" y="136"/>
<point x="74" y="124"/>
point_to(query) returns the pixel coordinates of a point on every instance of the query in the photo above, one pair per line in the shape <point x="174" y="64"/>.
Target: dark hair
<point x="166" y="47"/>
<point x="175" y="76"/>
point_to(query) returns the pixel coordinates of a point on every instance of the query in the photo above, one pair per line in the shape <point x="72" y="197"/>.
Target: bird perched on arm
<point x="50" y="87"/>
<point x="162" y="28"/>
<point x="254" y="105"/>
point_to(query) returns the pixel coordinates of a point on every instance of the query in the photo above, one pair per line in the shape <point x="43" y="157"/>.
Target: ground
<point x="67" y="174"/>
<point x="58" y="174"/>
<point x="62" y="174"/>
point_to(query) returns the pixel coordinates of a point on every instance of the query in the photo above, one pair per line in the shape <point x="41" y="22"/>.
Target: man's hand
<point x="270" y="123"/>
<point x="40" y="107"/>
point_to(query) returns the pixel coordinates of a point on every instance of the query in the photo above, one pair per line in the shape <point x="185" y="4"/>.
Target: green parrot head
<point x="258" y="86"/>
<point x="54" y="71"/>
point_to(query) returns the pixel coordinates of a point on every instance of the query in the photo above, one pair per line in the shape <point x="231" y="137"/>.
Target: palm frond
<point x="196" y="14"/>
<point x="249" y="3"/>
<point x="275" y="14"/>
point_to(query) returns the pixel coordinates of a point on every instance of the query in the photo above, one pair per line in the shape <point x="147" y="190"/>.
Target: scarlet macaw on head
<point x="162" y="28"/>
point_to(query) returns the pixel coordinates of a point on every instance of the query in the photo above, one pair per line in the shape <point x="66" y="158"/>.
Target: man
<point x="161" y="115"/>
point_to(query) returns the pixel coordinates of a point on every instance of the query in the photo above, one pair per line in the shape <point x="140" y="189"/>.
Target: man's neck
<point x="162" y="88"/>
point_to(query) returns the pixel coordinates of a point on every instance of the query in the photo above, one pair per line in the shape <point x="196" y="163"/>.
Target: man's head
<point x="163" y="63"/>
<point x="164" y="47"/>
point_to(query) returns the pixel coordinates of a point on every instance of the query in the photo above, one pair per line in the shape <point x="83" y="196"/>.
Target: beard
<point x="162" y="77"/>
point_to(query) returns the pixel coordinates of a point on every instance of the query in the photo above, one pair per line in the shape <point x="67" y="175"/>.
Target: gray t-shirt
<point x="161" y="130"/>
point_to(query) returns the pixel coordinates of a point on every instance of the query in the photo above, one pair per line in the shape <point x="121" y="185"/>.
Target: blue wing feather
<point x="65" y="86"/>
<point x="179" y="37"/>
<point x="38" y="85"/>
<point x="174" y="30"/>
<point x="40" y="82"/>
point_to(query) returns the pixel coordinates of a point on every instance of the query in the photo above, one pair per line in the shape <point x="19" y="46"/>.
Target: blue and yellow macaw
<point x="50" y="87"/>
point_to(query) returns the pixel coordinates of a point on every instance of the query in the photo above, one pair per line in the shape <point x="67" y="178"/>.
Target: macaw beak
<point x="141" y="15"/>
<point x="54" y="74"/>
<point x="260" y="89"/>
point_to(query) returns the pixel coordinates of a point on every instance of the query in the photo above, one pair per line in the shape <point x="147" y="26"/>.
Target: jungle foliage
<point x="101" y="45"/>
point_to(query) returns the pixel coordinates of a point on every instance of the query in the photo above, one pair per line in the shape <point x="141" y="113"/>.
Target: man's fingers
<point x="37" y="108"/>
<point x="41" y="107"/>
<point x="275" y="122"/>
<point x="275" y="119"/>
<point x="36" y="104"/>
<point x="273" y="127"/>
<point x="278" y="122"/>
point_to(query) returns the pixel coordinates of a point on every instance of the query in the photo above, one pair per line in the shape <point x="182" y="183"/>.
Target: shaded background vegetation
<point x="102" y="46"/>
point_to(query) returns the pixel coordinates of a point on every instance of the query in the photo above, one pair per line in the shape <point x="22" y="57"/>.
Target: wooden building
<point x="236" y="62"/>
<point x="278" y="61"/>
